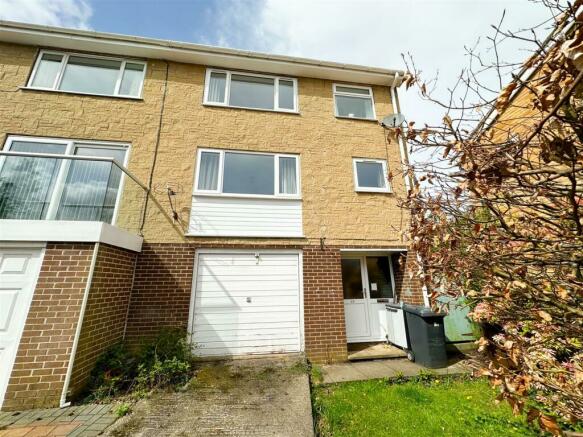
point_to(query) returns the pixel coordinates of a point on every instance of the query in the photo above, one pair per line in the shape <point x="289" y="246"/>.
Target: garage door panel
<point x="246" y="304"/>
<point x="245" y="286"/>
<point x="8" y="298"/>
<point x="241" y="301"/>
<point x="274" y="334"/>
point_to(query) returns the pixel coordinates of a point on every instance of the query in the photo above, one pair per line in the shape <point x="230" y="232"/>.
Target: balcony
<point x="69" y="188"/>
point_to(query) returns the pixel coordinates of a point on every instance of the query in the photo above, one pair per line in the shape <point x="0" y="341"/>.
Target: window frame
<point x="335" y="93"/>
<point x="358" y="188"/>
<point x="220" y="178"/>
<point x="61" y="177"/>
<point x="64" y="61"/>
<point x="229" y="73"/>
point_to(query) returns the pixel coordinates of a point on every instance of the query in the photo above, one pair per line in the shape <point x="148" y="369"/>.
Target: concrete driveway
<point x="252" y="397"/>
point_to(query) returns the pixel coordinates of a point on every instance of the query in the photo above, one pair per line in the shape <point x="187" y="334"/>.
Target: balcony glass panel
<point x="91" y="187"/>
<point x="26" y="184"/>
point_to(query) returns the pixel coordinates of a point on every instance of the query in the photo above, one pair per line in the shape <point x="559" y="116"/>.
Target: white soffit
<point x="68" y="232"/>
<point x="122" y="45"/>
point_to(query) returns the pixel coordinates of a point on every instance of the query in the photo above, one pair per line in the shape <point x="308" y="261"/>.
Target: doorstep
<point x="373" y="351"/>
<point x="379" y="369"/>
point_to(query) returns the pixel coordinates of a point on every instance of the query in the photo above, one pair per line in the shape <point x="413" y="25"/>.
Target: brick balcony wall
<point x="44" y="352"/>
<point x="106" y="311"/>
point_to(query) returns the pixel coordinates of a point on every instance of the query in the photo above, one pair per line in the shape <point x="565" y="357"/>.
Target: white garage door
<point x="19" y="270"/>
<point x="247" y="303"/>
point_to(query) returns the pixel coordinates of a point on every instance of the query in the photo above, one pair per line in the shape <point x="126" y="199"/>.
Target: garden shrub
<point x="161" y="362"/>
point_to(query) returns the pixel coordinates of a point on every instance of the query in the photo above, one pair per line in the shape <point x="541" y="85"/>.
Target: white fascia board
<point x="68" y="232"/>
<point x="122" y="45"/>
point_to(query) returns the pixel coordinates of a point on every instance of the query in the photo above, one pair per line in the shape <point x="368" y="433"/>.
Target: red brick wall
<point x="162" y="289"/>
<point x="407" y="282"/>
<point x="106" y="311"/>
<point x="324" y="324"/>
<point x="43" y="355"/>
<point x="163" y="285"/>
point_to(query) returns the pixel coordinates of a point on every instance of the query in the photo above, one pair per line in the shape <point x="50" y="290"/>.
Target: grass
<point x="440" y="407"/>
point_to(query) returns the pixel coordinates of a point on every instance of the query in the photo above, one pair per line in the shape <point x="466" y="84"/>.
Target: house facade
<point x="144" y="184"/>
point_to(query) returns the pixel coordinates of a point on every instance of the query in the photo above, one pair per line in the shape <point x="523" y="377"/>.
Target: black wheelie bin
<point x="426" y="336"/>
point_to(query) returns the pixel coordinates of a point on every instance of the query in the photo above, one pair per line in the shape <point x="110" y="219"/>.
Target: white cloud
<point x="62" y="13"/>
<point x="375" y="33"/>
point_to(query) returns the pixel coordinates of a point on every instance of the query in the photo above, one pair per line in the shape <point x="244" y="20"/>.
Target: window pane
<point x="379" y="276"/>
<point x="26" y="184"/>
<point x="286" y="94"/>
<point x="216" y="91"/>
<point x="351" y="279"/>
<point x="86" y="75"/>
<point x="91" y="187"/>
<point x="354" y="107"/>
<point x="370" y="174"/>
<point x="248" y="174"/>
<point x="346" y="89"/>
<point x="131" y="82"/>
<point x="47" y="71"/>
<point x="287" y="176"/>
<point x="208" y="177"/>
<point x="251" y="92"/>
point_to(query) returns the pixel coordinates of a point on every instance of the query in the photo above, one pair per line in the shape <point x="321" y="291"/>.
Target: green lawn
<point x="443" y="407"/>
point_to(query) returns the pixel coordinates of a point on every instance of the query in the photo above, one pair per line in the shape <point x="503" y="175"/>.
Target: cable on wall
<point x="155" y="158"/>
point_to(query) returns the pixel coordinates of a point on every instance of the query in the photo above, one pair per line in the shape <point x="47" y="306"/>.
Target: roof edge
<point x="118" y="44"/>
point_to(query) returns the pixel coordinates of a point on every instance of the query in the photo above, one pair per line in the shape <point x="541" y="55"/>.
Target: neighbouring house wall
<point x="44" y="352"/>
<point x="105" y="315"/>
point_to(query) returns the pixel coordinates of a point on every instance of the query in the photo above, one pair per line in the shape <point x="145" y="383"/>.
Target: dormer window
<point x="87" y="74"/>
<point x="354" y="102"/>
<point x="251" y="91"/>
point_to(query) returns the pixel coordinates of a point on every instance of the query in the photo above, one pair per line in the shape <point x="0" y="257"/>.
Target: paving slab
<point x="387" y="368"/>
<point x="57" y="422"/>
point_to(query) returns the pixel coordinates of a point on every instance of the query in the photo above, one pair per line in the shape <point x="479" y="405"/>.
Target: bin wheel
<point x="410" y="356"/>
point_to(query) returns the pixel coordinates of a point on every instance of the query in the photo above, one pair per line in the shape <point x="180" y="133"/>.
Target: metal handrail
<point x="77" y="158"/>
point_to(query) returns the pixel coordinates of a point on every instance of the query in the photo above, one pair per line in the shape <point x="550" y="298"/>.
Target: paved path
<point x="253" y="397"/>
<point x="84" y="420"/>
<point x="376" y="369"/>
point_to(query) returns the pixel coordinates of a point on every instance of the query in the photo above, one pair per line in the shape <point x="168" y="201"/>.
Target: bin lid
<point x="422" y="311"/>
<point x="397" y="306"/>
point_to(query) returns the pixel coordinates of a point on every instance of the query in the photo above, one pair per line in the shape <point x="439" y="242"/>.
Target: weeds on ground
<point x="162" y="362"/>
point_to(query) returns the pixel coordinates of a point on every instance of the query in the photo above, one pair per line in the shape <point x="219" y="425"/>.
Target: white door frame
<point x="367" y="301"/>
<point x="299" y="252"/>
<point x="5" y="379"/>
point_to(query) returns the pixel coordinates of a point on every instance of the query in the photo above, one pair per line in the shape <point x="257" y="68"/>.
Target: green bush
<point x="161" y="362"/>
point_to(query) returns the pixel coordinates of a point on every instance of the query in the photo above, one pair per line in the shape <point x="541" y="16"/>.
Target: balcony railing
<point x="38" y="186"/>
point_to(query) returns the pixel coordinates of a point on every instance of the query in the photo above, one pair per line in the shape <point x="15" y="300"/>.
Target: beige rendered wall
<point x="331" y="207"/>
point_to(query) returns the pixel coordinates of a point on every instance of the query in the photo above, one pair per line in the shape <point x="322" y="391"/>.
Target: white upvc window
<point x="370" y="175"/>
<point x="233" y="173"/>
<point x="45" y="188"/>
<point x="250" y="91"/>
<point x="88" y="74"/>
<point x="351" y="101"/>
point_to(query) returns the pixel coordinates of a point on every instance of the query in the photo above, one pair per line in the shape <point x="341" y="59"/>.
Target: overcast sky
<point x="369" y="32"/>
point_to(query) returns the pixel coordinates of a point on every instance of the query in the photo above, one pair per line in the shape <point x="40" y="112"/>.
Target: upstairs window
<point x="244" y="174"/>
<point x="354" y="102"/>
<point x="84" y="74"/>
<point x="371" y="175"/>
<point x="251" y="91"/>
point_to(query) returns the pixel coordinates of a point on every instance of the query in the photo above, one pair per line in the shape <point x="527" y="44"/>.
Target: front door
<point x="368" y="286"/>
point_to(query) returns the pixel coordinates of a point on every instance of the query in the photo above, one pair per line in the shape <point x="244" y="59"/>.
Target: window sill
<point x="378" y="191"/>
<point x="341" y="117"/>
<point x="78" y="93"/>
<point x="279" y="111"/>
<point x="246" y="196"/>
<point x="235" y="235"/>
